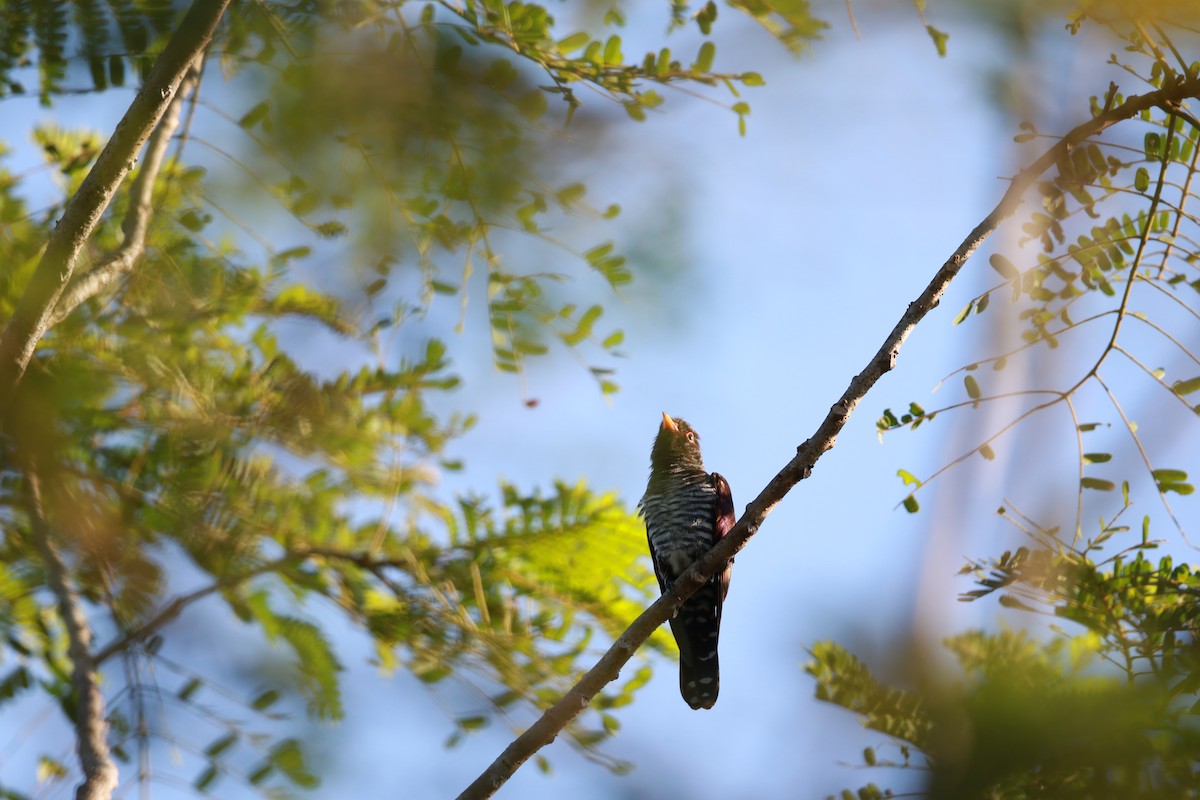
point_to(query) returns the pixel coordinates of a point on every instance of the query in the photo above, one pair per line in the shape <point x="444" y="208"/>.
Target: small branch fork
<point x="137" y="216"/>
<point x="607" y="669"/>
<point x="53" y="274"/>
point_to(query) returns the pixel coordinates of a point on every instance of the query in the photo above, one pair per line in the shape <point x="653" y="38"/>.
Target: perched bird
<point x="687" y="510"/>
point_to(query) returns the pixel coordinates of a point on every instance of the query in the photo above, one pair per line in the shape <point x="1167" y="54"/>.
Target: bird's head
<point x="677" y="446"/>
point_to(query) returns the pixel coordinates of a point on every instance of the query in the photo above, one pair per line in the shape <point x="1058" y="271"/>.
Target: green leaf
<point x="500" y="75"/>
<point x="532" y="104"/>
<point x="1098" y="484"/>
<point x="612" y="50"/>
<point x="939" y="39"/>
<point x="966" y="312"/>
<point x="573" y="42"/>
<point x="15" y="681"/>
<point x="792" y="23"/>
<point x="1096" y="458"/>
<point x="255" y="115"/>
<point x="1186" y="387"/>
<point x="220" y="745"/>
<point x="752" y="79"/>
<point x="288" y="758"/>
<point x="49" y="769"/>
<point x="706" y="16"/>
<point x="265" y="700"/>
<point x="650" y="99"/>
<point x="583" y="328"/>
<point x="317" y="667"/>
<point x="615" y="338"/>
<point x="571" y="193"/>
<point x="206" y="779"/>
<point x="260" y="774"/>
<point x="972" y="387"/>
<point x="1002" y="265"/>
<point x="1141" y="179"/>
<point x="188" y="689"/>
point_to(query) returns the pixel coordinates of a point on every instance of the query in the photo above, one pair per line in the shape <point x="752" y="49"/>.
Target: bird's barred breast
<point x="680" y="523"/>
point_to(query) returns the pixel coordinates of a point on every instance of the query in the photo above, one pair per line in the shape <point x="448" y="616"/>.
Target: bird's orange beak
<point x="669" y="423"/>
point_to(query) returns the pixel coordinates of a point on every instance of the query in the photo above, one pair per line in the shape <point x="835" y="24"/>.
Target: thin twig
<point x="547" y="727"/>
<point x="91" y="726"/>
<point x="53" y="274"/>
<point x="853" y="21"/>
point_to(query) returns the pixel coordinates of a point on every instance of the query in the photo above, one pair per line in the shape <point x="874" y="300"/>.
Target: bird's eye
<point x="691" y="437"/>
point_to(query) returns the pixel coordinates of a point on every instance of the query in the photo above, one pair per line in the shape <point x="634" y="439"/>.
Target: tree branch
<point x="82" y="213"/>
<point x="138" y="214"/>
<point x="607" y="669"/>
<point x="174" y="608"/>
<point x="91" y="726"/>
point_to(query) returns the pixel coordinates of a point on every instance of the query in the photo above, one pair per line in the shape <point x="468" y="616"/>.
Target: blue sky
<point x="864" y="165"/>
<point x="866" y="162"/>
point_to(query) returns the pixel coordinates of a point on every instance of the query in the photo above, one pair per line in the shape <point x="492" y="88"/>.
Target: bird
<point x="687" y="511"/>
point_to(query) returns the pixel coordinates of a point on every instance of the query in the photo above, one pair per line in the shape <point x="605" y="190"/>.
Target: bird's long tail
<point x="696" y="628"/>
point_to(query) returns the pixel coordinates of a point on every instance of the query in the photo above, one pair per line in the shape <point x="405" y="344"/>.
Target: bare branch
<point x="555" y="718"/>
<point x="91" y="727"/>
<point x="137" y="216"/>
<point x="33" y="313"/>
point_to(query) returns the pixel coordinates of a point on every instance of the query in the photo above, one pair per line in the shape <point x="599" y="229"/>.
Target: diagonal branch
<point x="546" y="728"/>
<point x="32" y="317"/>
<point x="137" y="216"/>
<point x="91" y="727"/>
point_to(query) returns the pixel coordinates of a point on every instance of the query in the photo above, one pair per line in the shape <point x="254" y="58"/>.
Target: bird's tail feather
<point x="696" y="628"/>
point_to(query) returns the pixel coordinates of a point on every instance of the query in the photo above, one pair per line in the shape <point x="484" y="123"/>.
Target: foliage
<point x="190" y="449"/>
<point x="196" y="444"/>
<point x="1106" y="706"/>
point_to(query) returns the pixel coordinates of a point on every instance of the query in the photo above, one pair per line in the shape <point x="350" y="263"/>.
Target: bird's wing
<point x="662" y="584"/>
<point x="723" y="523"/>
